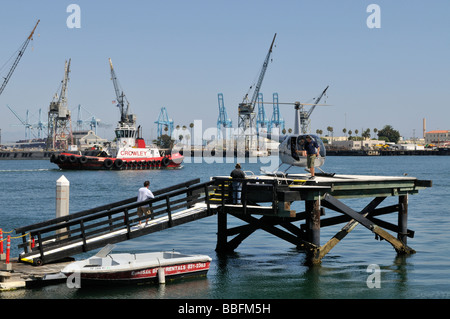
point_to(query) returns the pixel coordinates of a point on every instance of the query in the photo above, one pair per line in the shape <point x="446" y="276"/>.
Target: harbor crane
<point x="29" y="127"/>
<point x="125" y="117"/>
<point x="163" y="123"/>
<point x="276" y="121"/>
<point x="59" y="119"/>
<point x="223" y="120"/>
<point x="19" y="56"/>
<point x="246" y="114"/>
<point x="302" y="118"/>
<point x="305" y="120"/>
<point x="25" y="122"/>
<point x="92" y="122"/>
<point x="262" y="122"/>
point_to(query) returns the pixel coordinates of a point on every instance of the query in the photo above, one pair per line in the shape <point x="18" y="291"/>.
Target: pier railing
<point x="91" y="229"/>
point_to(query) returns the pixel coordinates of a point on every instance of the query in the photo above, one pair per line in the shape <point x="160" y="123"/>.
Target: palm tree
<point x="344" y="130"/>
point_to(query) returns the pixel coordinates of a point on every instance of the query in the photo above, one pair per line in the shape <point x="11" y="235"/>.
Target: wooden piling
<point x="403" y="218"/>
<point x="222" y="236"/>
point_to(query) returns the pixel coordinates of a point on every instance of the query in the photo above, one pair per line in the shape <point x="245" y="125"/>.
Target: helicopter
<point x="291" y="149"/>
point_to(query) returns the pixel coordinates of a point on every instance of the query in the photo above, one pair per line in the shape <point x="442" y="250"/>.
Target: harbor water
<point x="263" y="266"/>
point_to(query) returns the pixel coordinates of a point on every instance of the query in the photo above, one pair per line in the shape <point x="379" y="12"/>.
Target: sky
<point x="181" y="54"/>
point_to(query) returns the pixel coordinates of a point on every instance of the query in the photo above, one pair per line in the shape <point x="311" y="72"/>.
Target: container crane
<point x="29" y="127"/>
<point x="19" y="56"/>
<point x="246" y="114"/>
<point x="164" y="122"/>
<point x="262" y="122"/>
<point x="223" y="121"/>
<point x="25" y="122"/>
<point x="276" y="121"/>
<point x="125" y="118"/>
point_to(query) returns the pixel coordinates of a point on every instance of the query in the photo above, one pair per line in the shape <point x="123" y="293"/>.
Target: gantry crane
<point x="163" y="123"/>
<point x="262" y="122"/>
<point x="222" y="121"/>
<point x="19" y="55"/>
<point x="246" y="114"/>
<point x="25" y="122"/>
<point x="276" y="121"/>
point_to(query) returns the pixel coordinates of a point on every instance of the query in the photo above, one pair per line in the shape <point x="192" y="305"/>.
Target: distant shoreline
<point x="45" y="155"/>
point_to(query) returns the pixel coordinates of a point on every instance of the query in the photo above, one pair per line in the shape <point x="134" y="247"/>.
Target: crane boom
<point x="120" y="96"/>
<point x="261" y="75"/>
<point x="16" y="61"/>
<point x="317" y="102"/>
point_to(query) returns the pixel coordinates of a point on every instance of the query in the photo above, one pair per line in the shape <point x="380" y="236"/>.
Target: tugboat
<point x="130" y="151"/>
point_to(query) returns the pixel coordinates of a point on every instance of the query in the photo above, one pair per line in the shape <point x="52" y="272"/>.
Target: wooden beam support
<point x="267" y="223"/>
<point x="399" y="246"/>
<point x="325" y="249"/>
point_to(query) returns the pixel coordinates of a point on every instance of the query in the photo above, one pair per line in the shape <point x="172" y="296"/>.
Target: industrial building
<point x="437" y="137"/>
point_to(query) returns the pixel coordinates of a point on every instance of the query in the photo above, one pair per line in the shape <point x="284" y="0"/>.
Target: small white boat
<point x="127" y="268"/>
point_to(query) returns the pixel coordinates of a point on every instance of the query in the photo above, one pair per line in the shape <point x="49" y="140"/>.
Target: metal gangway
<point x="91" y="229"/>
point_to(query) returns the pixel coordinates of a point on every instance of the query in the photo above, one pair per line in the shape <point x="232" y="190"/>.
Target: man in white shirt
<point x="143" y="195"/>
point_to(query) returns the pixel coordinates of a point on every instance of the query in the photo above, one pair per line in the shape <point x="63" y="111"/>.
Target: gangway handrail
<point x="101" y="208"/>
<point x="119" y="218"/>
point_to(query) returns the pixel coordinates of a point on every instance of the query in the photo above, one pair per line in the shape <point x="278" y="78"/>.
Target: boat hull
<point x="145" y="275"/>
<point x="118" y="269"/>
<point x="70" y="161"/>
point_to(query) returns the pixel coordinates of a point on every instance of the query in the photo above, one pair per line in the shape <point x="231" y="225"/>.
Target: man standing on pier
<point x="237" y="185"/>
<point x="143" y="195"/>
<point x="312" y="151"/>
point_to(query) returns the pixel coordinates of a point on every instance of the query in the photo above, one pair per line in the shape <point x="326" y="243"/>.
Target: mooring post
<point x="62" y="201"/>
<point x="403" y="218"/>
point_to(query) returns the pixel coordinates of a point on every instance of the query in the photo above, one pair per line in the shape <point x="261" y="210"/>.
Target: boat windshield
<point x="125" y="133"/>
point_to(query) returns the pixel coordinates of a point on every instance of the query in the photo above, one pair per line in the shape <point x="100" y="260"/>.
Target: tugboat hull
<point x="70" y="161"/>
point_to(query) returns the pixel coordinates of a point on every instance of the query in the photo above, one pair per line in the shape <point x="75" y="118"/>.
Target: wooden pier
<point x="265" y="203"/>
<point x="272" y="198"/>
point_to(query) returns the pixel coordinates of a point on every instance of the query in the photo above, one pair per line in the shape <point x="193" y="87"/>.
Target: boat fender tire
<point x="72" y="158"/>
<point x="53" y="158"/>
<point x="37" y="262"/>
<point x="158" y="163"/>
<point x="165" y="161"/>
<point x="62" y="158"/>
<point x="83" y="159"/>
<point x="118" y="163"/>
<point x="108" y="163"/>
